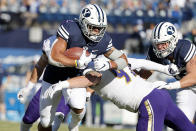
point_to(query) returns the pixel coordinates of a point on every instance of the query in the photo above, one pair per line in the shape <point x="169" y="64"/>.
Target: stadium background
<point x="24" y="24"/>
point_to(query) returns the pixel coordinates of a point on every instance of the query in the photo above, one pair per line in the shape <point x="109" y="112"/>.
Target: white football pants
<point x="76" y="98"/>
<point x="186" y="101"/>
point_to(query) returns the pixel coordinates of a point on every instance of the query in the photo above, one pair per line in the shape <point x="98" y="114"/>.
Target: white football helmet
<point x="92" y="16"/>
<point x="164" y="32"/>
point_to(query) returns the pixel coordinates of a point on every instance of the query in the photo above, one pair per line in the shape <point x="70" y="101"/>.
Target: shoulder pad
<point x="186" y="50"/>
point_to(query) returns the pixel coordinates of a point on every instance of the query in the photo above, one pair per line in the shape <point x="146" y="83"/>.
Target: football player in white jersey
<point x="129" y="91"/>
<point x="168" y="48"/>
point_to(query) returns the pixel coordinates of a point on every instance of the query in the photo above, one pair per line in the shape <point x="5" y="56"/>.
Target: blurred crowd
<point x="31" y="9"/>
<point x="136" y="17"/>
<point x="160" y="8"/>
<point x="112" y="7"/>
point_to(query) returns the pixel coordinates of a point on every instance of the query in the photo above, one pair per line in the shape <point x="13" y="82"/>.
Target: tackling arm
<point x="152" y="66"/>
<point x="89" y="79"/>
<point x="75" y="82"/>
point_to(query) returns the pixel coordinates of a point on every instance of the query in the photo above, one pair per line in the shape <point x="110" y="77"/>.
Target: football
<point x="75" y="53"/>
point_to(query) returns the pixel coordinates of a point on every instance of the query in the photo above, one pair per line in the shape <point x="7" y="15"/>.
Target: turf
<point x="13" y="126"/>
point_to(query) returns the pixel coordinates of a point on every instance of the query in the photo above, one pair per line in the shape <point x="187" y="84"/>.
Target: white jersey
<point x="123" y="88"/>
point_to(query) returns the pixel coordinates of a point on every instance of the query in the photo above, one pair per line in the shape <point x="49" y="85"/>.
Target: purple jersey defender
<point x="157" y="109"/>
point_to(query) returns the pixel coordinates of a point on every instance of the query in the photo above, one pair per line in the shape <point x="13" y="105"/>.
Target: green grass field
<point x="13" y="126"/>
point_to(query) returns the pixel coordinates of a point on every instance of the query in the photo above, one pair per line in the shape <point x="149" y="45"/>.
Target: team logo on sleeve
<point x="170" y="30"/>
<point x="86" y="12"/>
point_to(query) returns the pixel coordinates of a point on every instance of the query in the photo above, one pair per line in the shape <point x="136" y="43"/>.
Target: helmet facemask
<point x="163" y="53"/>
<point x="89" y="30"/>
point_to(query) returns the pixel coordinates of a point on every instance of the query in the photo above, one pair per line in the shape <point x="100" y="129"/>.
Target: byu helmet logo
<point x="86" y="12"/>
<point x="170" y="30"/>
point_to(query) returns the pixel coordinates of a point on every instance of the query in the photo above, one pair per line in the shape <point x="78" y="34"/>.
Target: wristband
<point x="76" y="63"/>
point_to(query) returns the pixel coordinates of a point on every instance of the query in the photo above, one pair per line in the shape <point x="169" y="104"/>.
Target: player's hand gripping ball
<point x="81" y="56"/>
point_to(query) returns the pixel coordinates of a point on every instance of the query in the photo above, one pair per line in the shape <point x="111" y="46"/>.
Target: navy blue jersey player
<point x="89" y="33"/>
<point x="167" y="48"/>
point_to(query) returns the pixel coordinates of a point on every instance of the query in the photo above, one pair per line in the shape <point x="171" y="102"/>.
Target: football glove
<point x="84" y="60"/>
<point x="172" y="69"/>
<point x="101" y="65"/>
<point x="26" y="94"/>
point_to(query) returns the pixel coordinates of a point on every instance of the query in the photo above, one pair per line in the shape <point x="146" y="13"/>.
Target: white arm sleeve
<point x="147" y="65"/>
